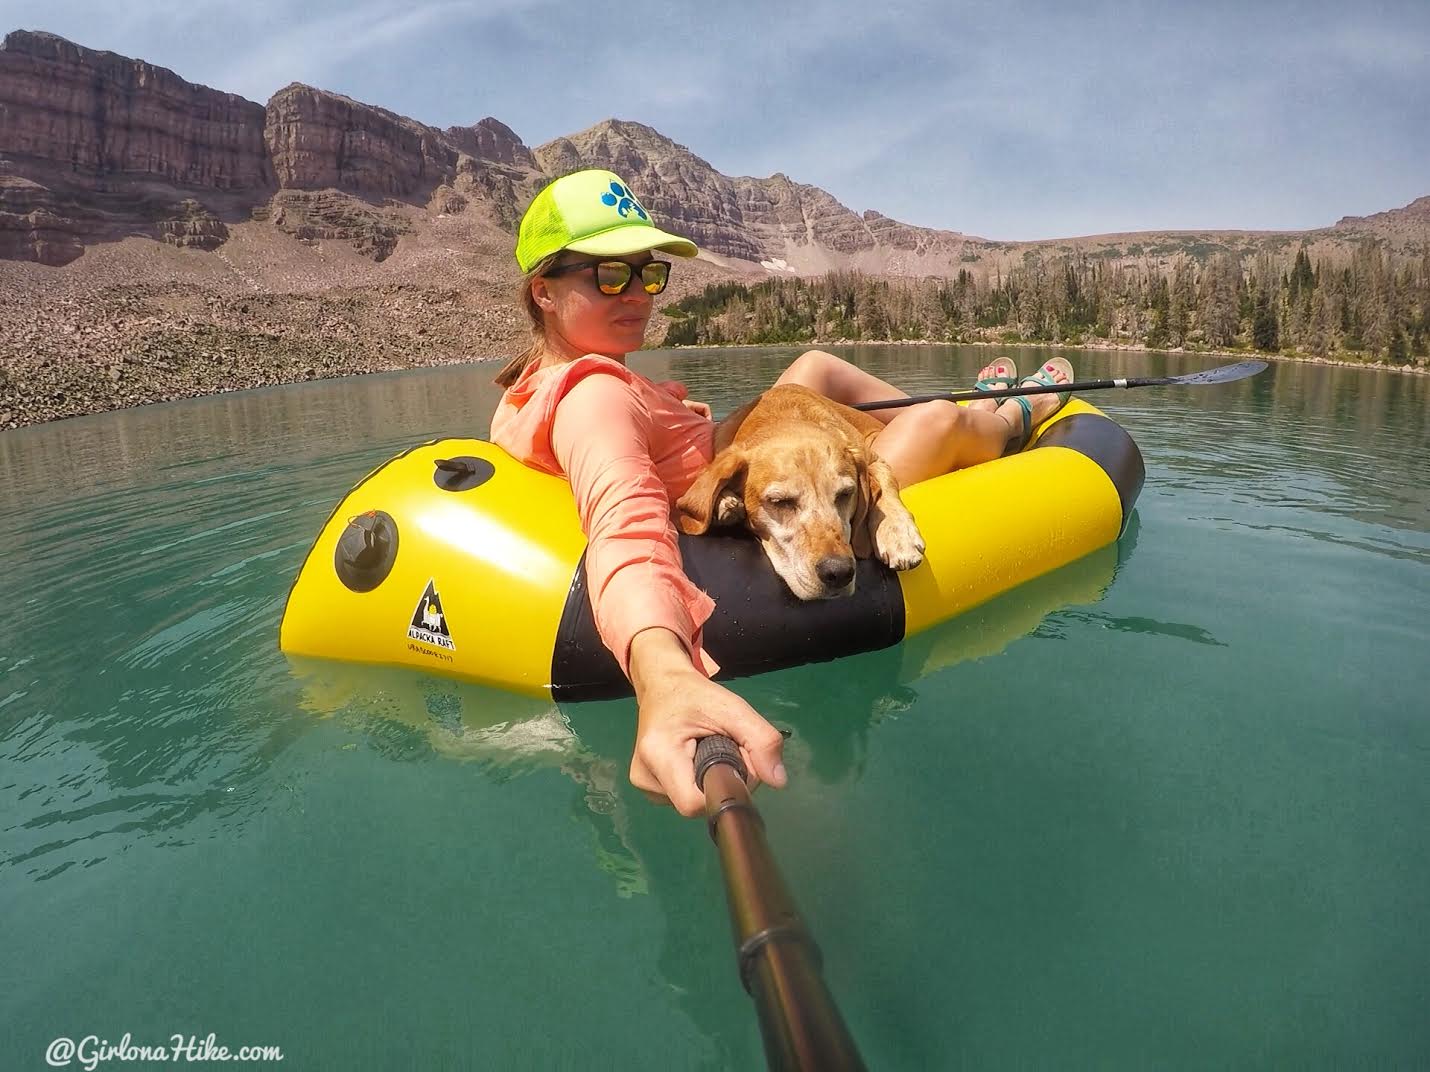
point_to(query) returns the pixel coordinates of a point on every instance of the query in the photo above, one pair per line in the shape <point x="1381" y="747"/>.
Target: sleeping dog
<point x="797" y="470"/>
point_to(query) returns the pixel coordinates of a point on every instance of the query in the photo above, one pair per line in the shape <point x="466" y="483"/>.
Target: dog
<point x="798" y="471"/>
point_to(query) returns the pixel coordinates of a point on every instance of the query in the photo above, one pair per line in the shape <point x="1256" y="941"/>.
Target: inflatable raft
<point x="456" y="559"/>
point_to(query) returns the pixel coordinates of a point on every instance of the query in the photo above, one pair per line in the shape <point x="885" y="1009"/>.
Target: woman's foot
<point x="1025" y="412"/>
<point x="998" y="375"/>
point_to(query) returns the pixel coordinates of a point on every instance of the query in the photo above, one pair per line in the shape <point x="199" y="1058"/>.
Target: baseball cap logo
<point x="590" y="211"/>
<point x="624" y="201"/>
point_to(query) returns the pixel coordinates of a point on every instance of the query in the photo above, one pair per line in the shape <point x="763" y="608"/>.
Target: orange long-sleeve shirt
<point x="629" y="448"/>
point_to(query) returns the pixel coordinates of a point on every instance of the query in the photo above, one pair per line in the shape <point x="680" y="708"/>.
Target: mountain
<point x="756" y="220"/>
<point x="99" y="147"/>
<point x="160" y="238"/>
<point x="1406" y="227"/>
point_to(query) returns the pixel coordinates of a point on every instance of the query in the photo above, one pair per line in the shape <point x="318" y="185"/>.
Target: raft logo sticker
<point x="429" y="624"/>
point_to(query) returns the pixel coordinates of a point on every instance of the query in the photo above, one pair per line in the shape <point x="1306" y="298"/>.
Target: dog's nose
<point x="835" y="572"/>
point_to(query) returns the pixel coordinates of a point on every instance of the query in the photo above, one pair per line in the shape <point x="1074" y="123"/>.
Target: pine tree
<point x="929" y="311"/>
<point x="871" y="323"/>
<point x="1181" y="302"/>
<point x="1220" y="299"/>
<point x="1264" y="333"/>
<point x="1157" y="331"/>
<point x="1398" y="353"/>
<point x="1319" y="337"/>
<point x="733" y="324"/>
<point x="1302" y="280"/>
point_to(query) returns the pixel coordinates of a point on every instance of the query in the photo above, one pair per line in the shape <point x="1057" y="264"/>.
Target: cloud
<point x="344" y="46"/>
<point x="314" y="50"/>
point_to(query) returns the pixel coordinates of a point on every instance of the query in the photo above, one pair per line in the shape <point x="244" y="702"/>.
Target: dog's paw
<point x="898" y="543"/>
<point x="729" y="509"/>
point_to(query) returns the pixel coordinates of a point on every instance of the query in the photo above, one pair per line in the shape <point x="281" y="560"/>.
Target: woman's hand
<point x="697" y="407"/>
<point x="678" y="706"/>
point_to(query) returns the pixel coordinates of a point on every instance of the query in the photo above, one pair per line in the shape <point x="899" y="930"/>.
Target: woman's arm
<point x="678" y="389"/>
<point x="678" y="705"/>
<point x="646" y="610"/>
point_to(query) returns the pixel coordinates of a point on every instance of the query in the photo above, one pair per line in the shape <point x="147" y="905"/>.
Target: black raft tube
<point x="779" y="962"/>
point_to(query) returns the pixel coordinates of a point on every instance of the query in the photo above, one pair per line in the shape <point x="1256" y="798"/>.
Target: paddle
<point x="779" y="962"/>
<point x="1225" y="374"/>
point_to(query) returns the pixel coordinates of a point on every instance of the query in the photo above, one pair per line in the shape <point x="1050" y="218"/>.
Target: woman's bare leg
<point x="933" y="438"/>
<point x="837" y="379"/>
<point x="919" y="441"/>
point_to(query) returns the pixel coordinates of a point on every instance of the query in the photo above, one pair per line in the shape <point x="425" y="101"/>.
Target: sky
<point x="1012" y="120"/>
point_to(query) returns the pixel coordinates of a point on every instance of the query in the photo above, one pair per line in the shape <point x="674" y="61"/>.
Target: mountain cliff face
<point x="492" y="142"/>
<point x="96" y="147"/>
<point x="98" y="115"/>
<point x="1411" y="222"/>
<point x="773" y="219"/>
<point x="320" y="140"/>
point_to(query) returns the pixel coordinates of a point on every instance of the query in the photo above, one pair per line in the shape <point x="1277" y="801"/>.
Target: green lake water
<point x="1167" y="807"/>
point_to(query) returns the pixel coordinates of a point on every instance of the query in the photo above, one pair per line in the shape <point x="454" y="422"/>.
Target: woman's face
<point x="581" y="320"/>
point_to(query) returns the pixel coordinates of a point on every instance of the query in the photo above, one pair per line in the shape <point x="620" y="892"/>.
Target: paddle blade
<point x="1240" y="371"/>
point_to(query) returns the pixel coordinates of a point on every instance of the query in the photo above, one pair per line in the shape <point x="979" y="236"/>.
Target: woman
<point x="630" y="448"/>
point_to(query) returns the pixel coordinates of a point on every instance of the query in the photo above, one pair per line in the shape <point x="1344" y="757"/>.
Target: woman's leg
<point x="933" y="438"/>
<point x="919" y="441"/>
<point x="837" y="379"/>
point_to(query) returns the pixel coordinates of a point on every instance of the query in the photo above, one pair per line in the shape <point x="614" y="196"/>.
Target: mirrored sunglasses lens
<point x="654" y="276"/>
<point x="613" y="276"/>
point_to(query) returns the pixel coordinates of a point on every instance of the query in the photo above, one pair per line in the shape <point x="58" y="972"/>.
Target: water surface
<point x="1163" y="808"/>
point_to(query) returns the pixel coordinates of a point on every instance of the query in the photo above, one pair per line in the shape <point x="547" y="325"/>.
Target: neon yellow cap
<point x="594" y="212"/>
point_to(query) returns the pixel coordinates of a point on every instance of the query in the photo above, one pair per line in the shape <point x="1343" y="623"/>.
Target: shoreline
<point x="168" y="383"/>
<point x="1309" y="359"/>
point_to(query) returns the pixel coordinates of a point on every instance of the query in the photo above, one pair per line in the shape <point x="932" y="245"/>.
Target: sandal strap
<point x="1004" y="381"/>
<point x="1027" y="408"/>
<point x="1009" y="379"/>
<point x="1044" y="378"/>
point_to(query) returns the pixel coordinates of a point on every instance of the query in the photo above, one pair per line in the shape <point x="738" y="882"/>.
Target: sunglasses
<point x="613" y="277"/>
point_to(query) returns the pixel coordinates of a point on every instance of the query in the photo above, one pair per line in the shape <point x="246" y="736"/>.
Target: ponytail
<point x="512" y="370"/>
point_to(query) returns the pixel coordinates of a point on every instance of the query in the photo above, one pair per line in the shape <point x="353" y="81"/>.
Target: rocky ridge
<point x="784" y="224"/>
<point x="95" y="146"/>
<point x="1406" y="225"/>
<point x="99" y="146"/>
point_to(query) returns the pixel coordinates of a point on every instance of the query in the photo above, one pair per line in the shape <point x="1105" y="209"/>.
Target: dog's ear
<point x="861" y="540"/>
<point x="716" y="497"/>
<point x="729" y="427"/>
